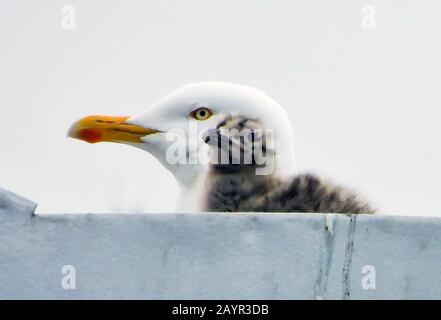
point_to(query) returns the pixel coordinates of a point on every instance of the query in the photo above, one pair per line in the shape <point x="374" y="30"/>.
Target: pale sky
<point x="365" y="104"/>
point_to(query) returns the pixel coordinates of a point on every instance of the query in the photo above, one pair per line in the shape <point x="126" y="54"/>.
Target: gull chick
<point x="235" y="185"/>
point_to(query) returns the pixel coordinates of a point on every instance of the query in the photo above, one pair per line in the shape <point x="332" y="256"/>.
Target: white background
<point x="364" y="104"/>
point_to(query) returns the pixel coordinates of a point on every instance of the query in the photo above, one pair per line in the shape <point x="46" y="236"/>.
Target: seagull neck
<point x="188" y="175"/>
<point x="192" y="196"/>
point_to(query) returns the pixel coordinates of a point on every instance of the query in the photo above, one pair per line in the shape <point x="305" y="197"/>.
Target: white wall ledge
<point x="216" y="256"/>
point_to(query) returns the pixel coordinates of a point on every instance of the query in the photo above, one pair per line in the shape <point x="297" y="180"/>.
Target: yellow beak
<point x="94" y="129"/>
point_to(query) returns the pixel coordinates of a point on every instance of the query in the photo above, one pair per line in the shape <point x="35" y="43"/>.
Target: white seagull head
<point x="171" y="129"/>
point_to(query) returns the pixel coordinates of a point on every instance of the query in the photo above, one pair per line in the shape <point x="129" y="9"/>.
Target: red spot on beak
<point x="90" y="135"/>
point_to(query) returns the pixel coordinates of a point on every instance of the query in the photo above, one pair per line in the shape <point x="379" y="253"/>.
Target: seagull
<point x="174" y="128"/>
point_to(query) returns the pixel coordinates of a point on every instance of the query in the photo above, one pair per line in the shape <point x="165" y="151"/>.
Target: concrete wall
<point x="217" y="256"/>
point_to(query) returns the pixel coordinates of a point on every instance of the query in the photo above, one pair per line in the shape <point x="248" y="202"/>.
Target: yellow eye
<point x="201" y="114"/>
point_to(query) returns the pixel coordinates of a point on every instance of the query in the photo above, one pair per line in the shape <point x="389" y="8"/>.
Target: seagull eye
<point x="201" y="114"/>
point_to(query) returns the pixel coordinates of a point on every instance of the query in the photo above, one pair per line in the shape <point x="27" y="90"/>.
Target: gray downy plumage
<point x="235" y="187"/>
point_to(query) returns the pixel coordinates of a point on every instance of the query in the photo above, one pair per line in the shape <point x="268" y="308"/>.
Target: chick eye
<point x="201" y="114"/>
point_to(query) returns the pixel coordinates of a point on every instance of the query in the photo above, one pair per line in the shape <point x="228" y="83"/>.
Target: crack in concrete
<point x="326" y="253"/>
<point x="348" y="258"/>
